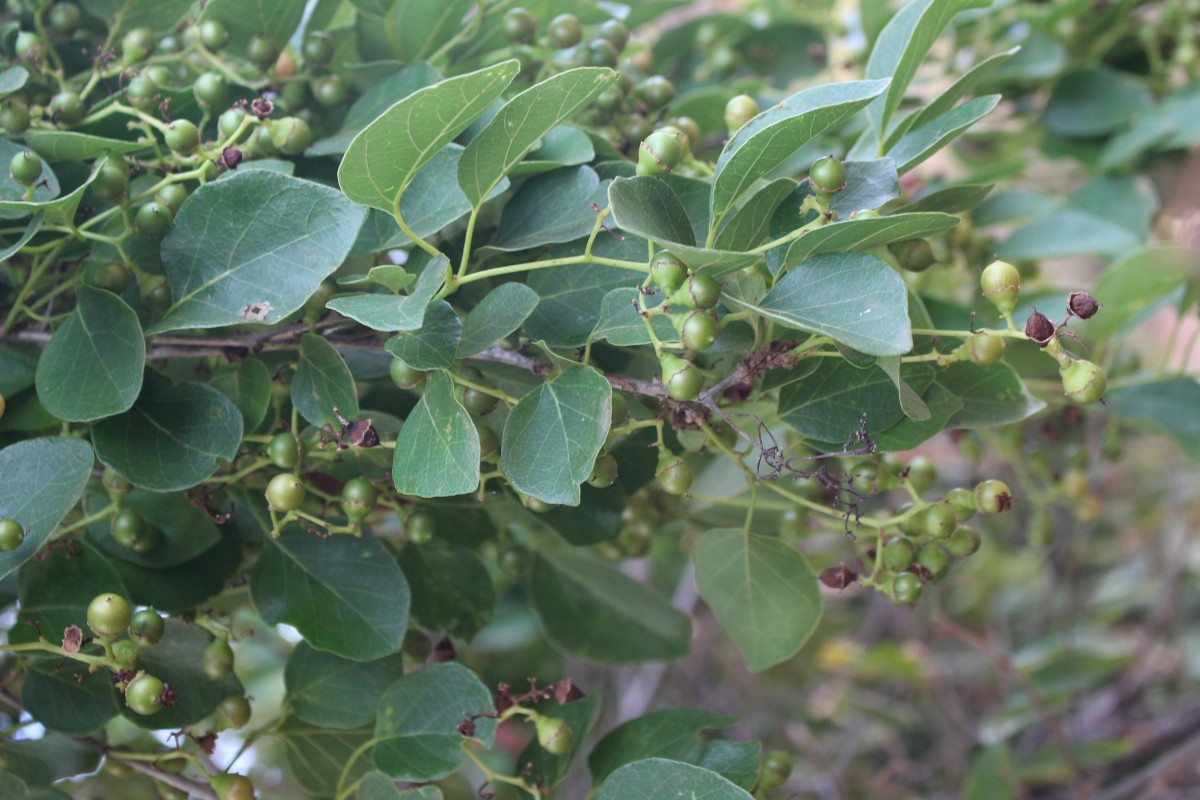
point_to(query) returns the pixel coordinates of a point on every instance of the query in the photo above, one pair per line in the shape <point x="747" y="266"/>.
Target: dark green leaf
<point x="50" y="758"/>
<point x="416" y="736"/>
<point x="669" y="733"/>
<point x="73" y="146"/>
<point x="581" y="716"/>
<point x="248" y="385"/>
<point x="564" y="146"/>
<point x="57" y="211"/>
<point x="253" y="247"/>
<point x="921" y="143"/>
<point x="384" y="158"/>
<point x="1093" y="102"/>
<point x="622" y="325"/>
<point x="345" y="594"/>
<point x="55" y="696"/>
<point x="949" y="200"/>
<point x="31" y="230"/>
<point x="99" y="347"/>
<point x="451" y="589"/>
<point x="1167" y="406"/>
<point x="374" y="101"/>
<point x="553" y="435"/>
<point x="828" y="404"/>
<point x="660" y="779"/>
<point x="592" y="610"/>
<point x="390" y="312"/>
<point x="316" y="756"/>
<point x="736" y="762"/>
<point x="158" y="15"/>
<point x="1135" y="283"/>
<point x="333" y="692"/>
<point x="751" y="223"/>
<point x="550" y="208"/>
<point x="172" y="438"/>
<point x="498" y="314"/>
<point x="650" y="208"/>
<point x="570" y="299"/>
<point x="763" y="592"/>
<point x="323" y="383"/>
<point x="40" y="481"/>
<point x="435" y="344"/>
<point x="416" y="29"/>
<point x="12" y="79"/>
<point x="55" y="591"/>
<point x="245" y="19"/>
<point x="437" y="452"/>
<point x="188" y="585"/>
<point x="186" y="530"/>
<point x="864" y="234"/>
<point x="377" y="786"/>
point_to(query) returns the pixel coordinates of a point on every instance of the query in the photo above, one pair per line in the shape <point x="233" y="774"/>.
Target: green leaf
<point x="416" y="29"/>
<point x="12" y="79"/>
<point x="248" y="385"/>
<point x="186" y="530"/>
<point x="384" y="158"/>
<point x="902" y="46"/>
<point x="74" y="146"/>
<point x="763" y="592"/>
<point x="1167" y="406"/>
<point x="451" y="589"/>
<point x="564" y="146"/>
<point x="855" y="298"/>
<point x="374" y="101"/>
<point x="31" y="230"/>
<point x="390" y="312"/>
<point x="498" y="314"/>
<point x="660" y="779"/>
<point x="437" y="452"/>
<point x="13" y="191"/>
<point x="594" y="611"/>
<point x="58" y="211"/>
<point x="751" y="223"/>
<point x="864" y="234"/>
<point x="316" y="756"/>
<point x="323" y="383"/>
<point x="736" y="762"/>
<point x="580" y="715"/>
<point x="622" y="325"/>
<point x="158" y="15"/>
<point x="51" y="758"/>
<point x="1136" y="283"/>
<point x="416" y="736"/>
<point x="188" y="585"/>
<point x="40" y="481"/>
<point x="949" y="200"/>
<point x="64" y="698"/>
<point x="176" y="660"/>
<point x="570" y="298"/>
<point x="550" y="208"/>
<point x="99" y="347"/>
<point x="921" y="143"/>
<point x="650" y="208"/>
<point x="768" y="140"/>
<point x="345" y="594"/>
<point x="253" y="247"/>
<point x="910" y="402"/>
<point x="1094" y="101"/>
<point x="992" y="775"/>
<point x="172" y="438"/>
<point x="553" y="435"/>
<point x="669" y="733"/>
<point x="248" y="18"/>
<point x="435" y="344"/>
<point x="55" y="590"/>
<point x="333" y="692"/>
<point x="522" y="121"/>
<point x="829" y="403"/>
<point x="377" y="786"/>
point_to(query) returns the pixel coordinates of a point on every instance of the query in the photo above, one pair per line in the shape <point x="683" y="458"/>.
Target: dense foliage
<point x="380" y="380"/>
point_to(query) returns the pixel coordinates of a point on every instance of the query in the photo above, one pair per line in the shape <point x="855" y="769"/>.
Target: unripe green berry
<point x="993" y="497"/>
<point x="659" y="152"/>
<point x="939" y="521"/>
<point x="667" y="272"/>
<point x="963" y="542"/>
<point x="827" y="176"/>
<point x="147" y="626"/>
<point x="142" y="93"/>
<point x="11" y="535"/>
<point x="1001" y="284"/>
<point x="213" y="34"/>
<point x="738" y="111"/>
<point x="898" y="554"/>
<point x="420" y="527"/>
<point x="228" y="123"/>
<point x="152" y="220"/>
<point x="906" y="588"/>
<point x="934" y="559"/>
<point x="216" y="659"/>
<point x="234" y="711"/>
<point x="674" y="474"/>
<point x="554" y="735"/>
<point x="317" y="48"/>
<point x="358" y="499"/>
<point x="143" y="695"/>
<point x="564" y="31"/>
<point x="25" y="167"/>
<point x="699" y="330"/>
<point x="519" y="25"/>
<point x="183" y="137"/>
<point x="1083" y="382"/>
<point x="137" y="45"/>
<point x="285" y="492"/>
<point x="290" y="135"/>
<point x="108" y="615"/>
<point x="922" y="473"/>
<point x="681" y="378"/>
<point x="211" y="90"/>
<point x="15" y="117"/>
<point x="656" y="91"/>
<point x="962" y="501"/>
<point x="915" y="255"/>
<point x="986" y="348"/>
<point x="698" y="291"/>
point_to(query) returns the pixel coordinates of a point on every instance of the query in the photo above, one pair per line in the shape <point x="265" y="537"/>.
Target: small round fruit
<point x="126" y="652"/>
<point x="143" y="695"/>
<point x="906" y="588"/>
<point x="600" y="53"/>
<point x="217" y="659"/>
<point x="66" y="108"/>
<point x="519" y="25"/>
<point x="25" y="167"/>
<point x="330" y="91"/>
<point x="934" y="559"/>
<point x="554" y="735"/>
<point x="963" y="542"/>
<point x="675" y="476"/>
<point x="963" y="502"/>
<point x="211" y="90"/>
<point x="128" y="528"/>
<point x="137" y="45"/>
<point x="11" y="535"/>
<point x="681" y="378"/>
<point x="15" y="117"/>
<point x="114" y="483"/>
<point x="420" y="527"/>
<point x="1083" y="382"/>
<point x="262" y="50"/>
<point x="358" y="498"/>
<point x="604" y="472"/>
<point x="285" y="492"/>
<point x="667" y="272"/>
<point x="993" y="497"/>
<point x="153" y="220"/>
<point x="939" y="521"/>
<point x="776" y="768"/>
<point x="564" y="31"/>
<point x="229" y="122"/>
<point x="659" y="152"/>
<point x="915" y="255"/>
<point x="291" y="135"/>
<point x="478" y="402"/>
<point x="213" y="34"/>
<point x="172" y="196"/>
<point x="147" y="626"/>
<point x="656" y="91"/>
<point x="615" y="32"/>
<point x="922" y="473"/>
<point x="112" y="179"/>
<point x="738" y="111"/>
<point x="64" y="18"/>
<point x="404" y="375"/>
<point x="699" y="291"/>
<point x="1001" y="283"/>
<point x="234" y="711"/>
<point x="699" y="330"/>
<point x="108" y="614"/>
<point x="489" y="444"/>
<point x="260" y="144"/>
<point x="158" y="299"/>
<point x="183" y="136"/>
<point x="284" y="451"/>
<point x="142" y="93"/>
<point x="317" y="48"/>
<point x="233" y="787"/>
<point x="986" y="348"/>
<point x="619" y="413"/>
<point x="827" y="175"/>
<point x="898" y="554"/>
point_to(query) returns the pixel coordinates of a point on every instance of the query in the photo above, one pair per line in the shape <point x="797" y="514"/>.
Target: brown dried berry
<point x="1083" y="305"/>
<point x="444" y="650"/>
<point x="230" y="157"/>
<point x="466" y="728"/>
<point x="1039" y="328"/>
<point x="838" y="577"/>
